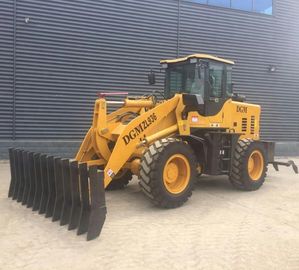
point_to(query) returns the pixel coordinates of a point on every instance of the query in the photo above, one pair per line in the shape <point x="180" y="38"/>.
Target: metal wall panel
<point x="254" y="41"/>
<point x="6" y="68"/>
<point x="67" y="51"/>
<point x="70" y="50"/>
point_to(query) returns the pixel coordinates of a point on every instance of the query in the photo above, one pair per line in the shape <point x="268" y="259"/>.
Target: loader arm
<point x="151" y="122"/>
<point x="137" y="131"/>
<point x="95" y="147"/>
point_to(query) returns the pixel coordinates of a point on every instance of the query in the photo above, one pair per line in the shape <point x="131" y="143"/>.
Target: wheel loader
<point x="167" y="139"/>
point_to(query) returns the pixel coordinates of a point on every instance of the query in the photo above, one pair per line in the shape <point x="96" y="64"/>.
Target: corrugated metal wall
<point x="70" y="50"/>
<point x="255" y="42"/>
<point x="67" y="51"/>
<point x="6" y="68"/>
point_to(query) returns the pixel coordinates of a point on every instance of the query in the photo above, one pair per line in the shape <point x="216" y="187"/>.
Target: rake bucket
<point x="59" y="188"/>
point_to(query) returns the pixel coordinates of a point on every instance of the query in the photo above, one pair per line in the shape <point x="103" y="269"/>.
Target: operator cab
<point x="204" y="80"/>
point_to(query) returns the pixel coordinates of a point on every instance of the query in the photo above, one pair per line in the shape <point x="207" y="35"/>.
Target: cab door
<point x="214" y="89"/>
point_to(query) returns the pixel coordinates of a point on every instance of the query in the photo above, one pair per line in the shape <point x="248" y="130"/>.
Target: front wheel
<point x="249" y="165"/>
<point x="167" y="172"/>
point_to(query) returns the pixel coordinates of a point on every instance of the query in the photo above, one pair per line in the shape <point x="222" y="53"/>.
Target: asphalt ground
<point x="218" y="228"/>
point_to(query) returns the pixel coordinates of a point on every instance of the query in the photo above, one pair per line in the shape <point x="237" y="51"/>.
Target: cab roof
<point x="198" y="55"/>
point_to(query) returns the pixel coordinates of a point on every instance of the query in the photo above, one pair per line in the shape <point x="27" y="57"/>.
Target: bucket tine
<point x="85" y="207"/>
<point x="13" y="169"/>
<point x="59" y="189"/>
<point x="21" y="175"/>
<point x="44" y="184"/>
<point x="38" y="185"/>
<point x="26" y="177"/>
<point x="32" y="180"/>
<point x="17" y="174"/>
<point x="97" y="203"/>
<point x="51" y="187"/>
<point x="75" y="193"/>
<point x="67" y="197"/>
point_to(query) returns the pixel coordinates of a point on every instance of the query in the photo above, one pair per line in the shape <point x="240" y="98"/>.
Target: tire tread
<point x="237" y="177"/>
<point x="149" y="165"/>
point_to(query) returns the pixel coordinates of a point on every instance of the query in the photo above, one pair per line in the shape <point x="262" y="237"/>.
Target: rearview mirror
<point x="151" y="78"/>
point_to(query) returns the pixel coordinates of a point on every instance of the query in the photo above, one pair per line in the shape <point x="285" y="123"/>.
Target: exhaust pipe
<point x="64" y="190"/>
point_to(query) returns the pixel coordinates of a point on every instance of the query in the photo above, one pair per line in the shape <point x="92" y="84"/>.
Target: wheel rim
<point x="255" y="165"/>
<point x="176" y="173"/>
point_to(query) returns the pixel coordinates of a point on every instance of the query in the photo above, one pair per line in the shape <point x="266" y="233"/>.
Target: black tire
<point x="120" y="181"/>
<point x="151" y="172"/>
<point x="239" y="176"/>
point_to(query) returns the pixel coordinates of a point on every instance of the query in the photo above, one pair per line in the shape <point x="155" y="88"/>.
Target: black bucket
<point x="64" y="190"/>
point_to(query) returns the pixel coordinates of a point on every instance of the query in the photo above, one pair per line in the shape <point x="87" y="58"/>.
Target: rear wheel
<point x="120" y="181"/>
<point x="167" y="172"/>
<point x="249" y="165"/>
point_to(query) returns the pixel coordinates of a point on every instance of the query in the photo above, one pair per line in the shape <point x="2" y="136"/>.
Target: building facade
<point x="56" y="55"/>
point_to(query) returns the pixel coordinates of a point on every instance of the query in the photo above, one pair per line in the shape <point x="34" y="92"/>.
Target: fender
<point x="196" y="142"/>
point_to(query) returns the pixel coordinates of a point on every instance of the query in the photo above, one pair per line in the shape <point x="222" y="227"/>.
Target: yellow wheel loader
<point x="197" y="125"/>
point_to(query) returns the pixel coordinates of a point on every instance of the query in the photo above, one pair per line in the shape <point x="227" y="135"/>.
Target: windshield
<point x="186" y="78"/>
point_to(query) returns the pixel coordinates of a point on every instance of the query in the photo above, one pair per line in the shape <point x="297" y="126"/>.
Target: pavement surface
<point x="218" y="228"/>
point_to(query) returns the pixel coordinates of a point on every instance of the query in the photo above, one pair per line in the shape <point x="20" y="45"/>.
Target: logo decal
<point x="134" y="132"/>
<point x="241" y="109"/>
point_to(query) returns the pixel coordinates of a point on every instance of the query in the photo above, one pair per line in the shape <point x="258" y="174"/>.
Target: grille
<point x="252" y="120"/>
<point x="244" y="124"/>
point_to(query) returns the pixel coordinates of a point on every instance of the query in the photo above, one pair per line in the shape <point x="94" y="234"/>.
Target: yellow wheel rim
<point x="176" y="174"/>
<point x="255" y="165"/>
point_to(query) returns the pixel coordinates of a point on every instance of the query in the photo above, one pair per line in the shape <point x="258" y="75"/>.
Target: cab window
<point x="186" y="78"/>
<point x="175" y="81"/>
<point x="216" y="79"/>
